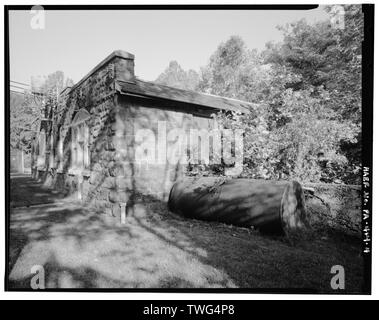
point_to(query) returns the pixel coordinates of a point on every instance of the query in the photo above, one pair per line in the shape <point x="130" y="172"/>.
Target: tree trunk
<point x="270" y="206"/>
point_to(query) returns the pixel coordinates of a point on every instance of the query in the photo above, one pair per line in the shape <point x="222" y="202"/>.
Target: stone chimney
<point x="124" y="66"/>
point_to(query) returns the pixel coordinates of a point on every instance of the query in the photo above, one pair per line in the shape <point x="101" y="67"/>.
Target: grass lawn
<point x="81" y="248"/>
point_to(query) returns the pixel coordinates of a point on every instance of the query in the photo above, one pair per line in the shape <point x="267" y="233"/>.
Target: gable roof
<point x="154" y="90"/>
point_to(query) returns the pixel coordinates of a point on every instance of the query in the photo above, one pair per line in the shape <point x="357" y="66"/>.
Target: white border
<point x="179" y="296"/>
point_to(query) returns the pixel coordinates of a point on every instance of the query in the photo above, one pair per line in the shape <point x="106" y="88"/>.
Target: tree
<point x="328" y="60"/>
<point x="219" y="77"/>
<point x="26" y="109"/>
<point x="24" y="120"/>
<point x="309" y="91"/>
<point x="326" y="56"/>
<point x="175" y="76"/>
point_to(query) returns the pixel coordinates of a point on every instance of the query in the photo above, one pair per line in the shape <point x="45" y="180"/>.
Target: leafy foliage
<point x="24" y="120"/>
<point x="26" y="110"/>
<point x="308" y="88"/>
<point x="175" y="76"/>
<point x="54" y="84"/>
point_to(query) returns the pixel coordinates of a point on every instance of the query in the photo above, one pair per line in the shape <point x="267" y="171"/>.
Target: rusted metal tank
<point x="270" y="206"/>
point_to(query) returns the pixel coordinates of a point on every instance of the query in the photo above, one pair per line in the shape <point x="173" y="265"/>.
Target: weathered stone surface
<point x="111" y="164"/>
<point x="97" y="167"/>
<point x="116" y="170"/>
<point x="99" y="145"/>
<point x="91" y="195"/>
<point x="100" y="204"/>
<point x="109" y="182"/>
<point x="85" y="187"/>
<point x="124" y="69"/>
<point x="108" y="211"/>
<point x="117" y="196"/>
<point x="110" y="146"/>
<point x="95" y="177"/>
<point x="103" y="194"/>
<point x="124" y="183"/>
<point x="116" y="210"/>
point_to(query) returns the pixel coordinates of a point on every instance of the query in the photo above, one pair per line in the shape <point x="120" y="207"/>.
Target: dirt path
<point x="81" y="248"/>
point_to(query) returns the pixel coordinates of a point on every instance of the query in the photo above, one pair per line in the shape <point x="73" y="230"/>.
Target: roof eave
<point x="124" y="88"/>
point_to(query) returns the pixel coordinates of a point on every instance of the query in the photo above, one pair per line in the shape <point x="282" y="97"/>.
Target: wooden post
<point x="123" y="212"/>
<point x="80" y="187"/>
<point x="22" y="161"/>
<point x="51" y="156"/>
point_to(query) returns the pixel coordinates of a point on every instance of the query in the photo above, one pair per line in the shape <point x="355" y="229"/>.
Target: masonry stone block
<point x="97" y="167"/>
<point x="95" y="177"/>
<point x="116" y="170"/>
<point x="110" y="146"/>
<point x="124" y="183"/>
<point x="108" y="211"/>
<point x="117" y="196"/>
<point x="85" y="187"/>
<point x="102" y="194"/>
<point x="109" y="183"/>
<point x="100" y="204"/>
<point x="111" y="163"/>
<point x="116" y="210"/>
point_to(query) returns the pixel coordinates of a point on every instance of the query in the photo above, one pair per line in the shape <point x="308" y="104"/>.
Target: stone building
<point x="91" y="142"/>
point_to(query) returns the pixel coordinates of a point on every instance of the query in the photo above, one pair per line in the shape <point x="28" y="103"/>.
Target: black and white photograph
<point x="189" y="148"/>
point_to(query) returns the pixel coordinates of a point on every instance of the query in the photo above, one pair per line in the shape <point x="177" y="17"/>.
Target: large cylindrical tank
<point x="270" y="206"/>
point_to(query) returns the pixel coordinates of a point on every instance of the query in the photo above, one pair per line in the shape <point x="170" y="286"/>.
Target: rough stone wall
<point x="103" y="154"/>
<point x="154" y="178"/>
<point x="336" y="207"/>
<point x="96" y="95"/>
<point x="114" y="176"/>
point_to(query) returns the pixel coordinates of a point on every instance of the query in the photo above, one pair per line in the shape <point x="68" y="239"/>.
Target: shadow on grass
<point x="27" y="192"/>
<point x="83" y="248"/>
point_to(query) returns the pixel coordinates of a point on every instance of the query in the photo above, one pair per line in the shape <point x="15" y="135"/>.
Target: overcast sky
<point x="75" y="41"/>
